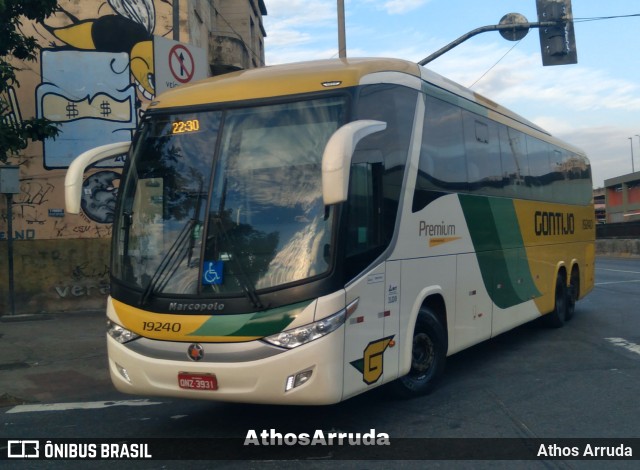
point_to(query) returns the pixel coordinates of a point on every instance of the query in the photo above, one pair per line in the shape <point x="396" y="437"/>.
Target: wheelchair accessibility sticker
<point x="212" y="273"/>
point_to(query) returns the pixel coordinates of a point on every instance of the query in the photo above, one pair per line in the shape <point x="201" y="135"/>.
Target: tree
<point x="15" y="132"/>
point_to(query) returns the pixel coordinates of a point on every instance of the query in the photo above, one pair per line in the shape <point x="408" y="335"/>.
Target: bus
<point x="302" y="233"/>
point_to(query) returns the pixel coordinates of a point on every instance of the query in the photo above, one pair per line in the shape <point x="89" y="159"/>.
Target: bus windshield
<point x="227" y="202"/>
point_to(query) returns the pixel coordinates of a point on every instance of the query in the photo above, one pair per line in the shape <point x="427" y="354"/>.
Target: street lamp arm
<point x="485" y="29"/>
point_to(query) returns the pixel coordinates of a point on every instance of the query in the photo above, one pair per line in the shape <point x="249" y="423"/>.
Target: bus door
<point x="369" y="330"/>
<point x="365" y="343"/>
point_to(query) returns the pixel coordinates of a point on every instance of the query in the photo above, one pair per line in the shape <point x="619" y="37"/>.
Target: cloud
<point x="520" y="80"/>
<point x="608" y="149"/>
<point x="584" y="105"/>
<point x="299" y="30"/>
<point x="399" y="7"/>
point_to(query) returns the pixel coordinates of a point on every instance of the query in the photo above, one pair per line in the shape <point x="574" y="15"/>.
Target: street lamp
<point x="632" y="168"/>
<point x="638" y="136"/>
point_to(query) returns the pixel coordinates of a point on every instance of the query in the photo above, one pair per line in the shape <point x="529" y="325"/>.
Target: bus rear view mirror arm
<point x="336" y="159"/>
<point x="75" y="173"/>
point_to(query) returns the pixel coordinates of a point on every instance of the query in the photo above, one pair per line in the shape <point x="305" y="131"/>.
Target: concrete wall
<point x="57" y="275"/>
<point x="618" y="247"/>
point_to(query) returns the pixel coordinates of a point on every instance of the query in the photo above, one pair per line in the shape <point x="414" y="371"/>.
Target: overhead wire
<point x="575" y="20"/>
<point x="492" y="67"/>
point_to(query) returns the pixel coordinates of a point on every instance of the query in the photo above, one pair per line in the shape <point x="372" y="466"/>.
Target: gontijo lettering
<point x="554" y="223"/>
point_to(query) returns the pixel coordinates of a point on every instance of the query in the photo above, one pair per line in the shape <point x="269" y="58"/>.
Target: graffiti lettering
<point x="28" y="234"/>
<point x="83" y="271"/>
<point x="81" y="291"/>
<point x="60" y="228"/>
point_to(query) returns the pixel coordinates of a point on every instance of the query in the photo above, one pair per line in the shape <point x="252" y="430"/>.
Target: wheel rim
<point x="422" y="356"/>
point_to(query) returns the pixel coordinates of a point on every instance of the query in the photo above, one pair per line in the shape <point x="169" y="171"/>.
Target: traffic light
<point x="557" y="43"/>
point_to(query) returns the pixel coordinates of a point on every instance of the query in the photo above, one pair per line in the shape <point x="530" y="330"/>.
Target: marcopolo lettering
<point x="554" y="223"/>
<point x="195" y="307"/>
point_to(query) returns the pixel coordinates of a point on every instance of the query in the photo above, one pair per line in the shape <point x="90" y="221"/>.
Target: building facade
<point x="98" y="70"/>
<point x="622" y="198"/>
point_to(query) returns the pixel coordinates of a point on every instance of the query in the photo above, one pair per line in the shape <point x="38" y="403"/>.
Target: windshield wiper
<point x="245" y="283"/>
<point x="170" y="262"/>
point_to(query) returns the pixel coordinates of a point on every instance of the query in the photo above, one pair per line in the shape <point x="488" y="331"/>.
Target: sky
<point x="594" y="104"/>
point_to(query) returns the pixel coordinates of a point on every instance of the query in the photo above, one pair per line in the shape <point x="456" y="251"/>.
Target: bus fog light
<point x="298" y="379"/>
<point x="123" y="372"/>
<point x="119" y="333"/>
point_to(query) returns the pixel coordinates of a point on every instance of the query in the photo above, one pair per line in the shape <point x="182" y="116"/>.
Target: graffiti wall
<point x="94" y="79"/>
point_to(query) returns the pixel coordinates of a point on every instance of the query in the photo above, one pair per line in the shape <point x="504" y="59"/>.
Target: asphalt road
<point x="580" y="381"/>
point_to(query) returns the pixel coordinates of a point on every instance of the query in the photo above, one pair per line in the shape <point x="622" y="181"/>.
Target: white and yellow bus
<point x="303" y="233"/>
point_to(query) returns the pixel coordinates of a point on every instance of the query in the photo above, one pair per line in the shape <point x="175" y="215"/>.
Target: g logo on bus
<point x="195" y="352"/>
<point x="371" y="364"/>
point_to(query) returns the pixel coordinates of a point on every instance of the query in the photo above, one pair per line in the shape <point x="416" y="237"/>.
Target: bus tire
<point x="427" y="357"/>
<point x="558" y="316"/>
<point x="572" y="293"/>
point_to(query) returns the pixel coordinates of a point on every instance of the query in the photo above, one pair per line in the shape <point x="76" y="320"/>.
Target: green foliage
<point x="14" y="133"/>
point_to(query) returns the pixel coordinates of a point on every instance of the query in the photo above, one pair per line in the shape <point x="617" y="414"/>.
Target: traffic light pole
<point x="519" y="27"/>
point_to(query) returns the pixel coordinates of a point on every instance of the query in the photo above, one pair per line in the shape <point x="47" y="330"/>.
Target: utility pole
<point x="10" y="185"/>
<point x="176" y="20"/>
<point x="638" y="136"/>
<point x="632" y="168"/>
<point x="342" y="42"/>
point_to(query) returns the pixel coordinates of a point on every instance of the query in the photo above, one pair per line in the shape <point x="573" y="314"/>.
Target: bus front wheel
<point x="428" y="356"/>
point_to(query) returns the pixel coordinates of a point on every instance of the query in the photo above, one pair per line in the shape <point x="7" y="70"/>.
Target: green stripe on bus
<point x="261" y="324"/>
<point x="493" y="226"/>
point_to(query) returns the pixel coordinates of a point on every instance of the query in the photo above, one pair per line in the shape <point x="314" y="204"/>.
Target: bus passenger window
<point x="442" y="165"/>
<point x="515" y="166"/>
<point x="484" y="170"/>
<point x="540" y="176"/>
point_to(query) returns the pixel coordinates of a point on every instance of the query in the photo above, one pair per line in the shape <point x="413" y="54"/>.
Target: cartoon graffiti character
<point x="130" y="31"/>
<point x="90" y="96"/>
<point x="99" y="196"/>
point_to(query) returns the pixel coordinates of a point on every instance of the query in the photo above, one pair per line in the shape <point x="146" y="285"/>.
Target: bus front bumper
<point x="255" y="381"/>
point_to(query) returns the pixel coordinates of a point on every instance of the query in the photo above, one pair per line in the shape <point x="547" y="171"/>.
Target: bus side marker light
<point x="352" y="307"/>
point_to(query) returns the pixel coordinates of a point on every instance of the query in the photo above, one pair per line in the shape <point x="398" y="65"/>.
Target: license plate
<point x="190" y="381"/>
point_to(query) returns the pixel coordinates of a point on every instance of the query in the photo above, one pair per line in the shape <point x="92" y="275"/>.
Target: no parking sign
<point x="177" y="63"/>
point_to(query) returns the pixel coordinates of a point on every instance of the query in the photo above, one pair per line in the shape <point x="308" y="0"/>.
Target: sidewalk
<point x="52" y="358"/>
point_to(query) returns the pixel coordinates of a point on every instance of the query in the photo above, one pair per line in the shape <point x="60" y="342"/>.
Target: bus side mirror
<point x="75" y="173"/>
<point x="336" y="159"/>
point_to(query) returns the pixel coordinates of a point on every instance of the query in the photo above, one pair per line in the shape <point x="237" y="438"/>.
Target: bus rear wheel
<point x="573" y="293"/>
<point x="558" y="316"/>
<point x="428" y="356"/>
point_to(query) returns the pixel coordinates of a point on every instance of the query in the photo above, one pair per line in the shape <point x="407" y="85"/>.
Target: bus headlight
<point x="119" y="333"/>
<point x="298" y="336"/>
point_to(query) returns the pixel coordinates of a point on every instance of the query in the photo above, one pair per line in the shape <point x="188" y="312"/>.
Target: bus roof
<point x="281" y="80"/>
<point x="315" y="76"/>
